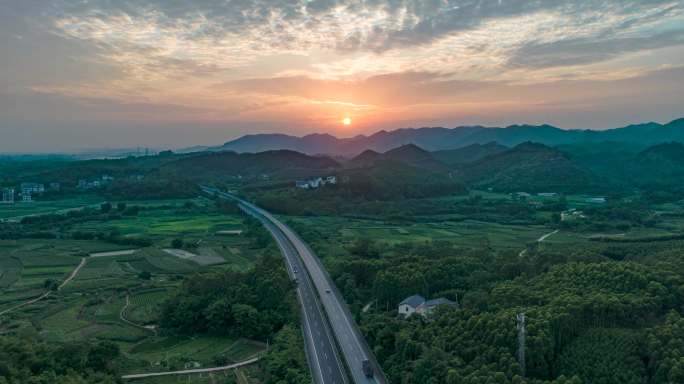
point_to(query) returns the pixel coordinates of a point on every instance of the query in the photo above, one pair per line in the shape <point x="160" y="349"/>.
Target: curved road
<point x="349" y="339"/>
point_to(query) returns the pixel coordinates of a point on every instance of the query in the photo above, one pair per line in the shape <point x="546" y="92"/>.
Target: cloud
<point x="257" y="63"/>
<point x="215" y="36"/>
<point x="586" y="51"/>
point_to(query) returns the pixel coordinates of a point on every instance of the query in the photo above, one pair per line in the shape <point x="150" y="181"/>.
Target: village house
<point x="409" y="305"/>
<point x="97" y="183"/>
<point x="418" y="304"/>
<point x="31" y="188"/>
<point x="316" y="182"/>
<point x="427" y="307"/>
<point x="8" y="195"/>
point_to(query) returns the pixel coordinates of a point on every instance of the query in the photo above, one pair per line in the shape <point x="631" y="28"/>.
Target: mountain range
<point x="439" y="139"/>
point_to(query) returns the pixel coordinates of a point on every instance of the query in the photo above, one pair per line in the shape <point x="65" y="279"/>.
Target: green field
<point x="90" y="306"/>
<point x="37" y="207"/>
<point x="463" y="233"/>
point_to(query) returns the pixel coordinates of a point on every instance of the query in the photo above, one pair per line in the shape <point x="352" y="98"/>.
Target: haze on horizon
<point x="87" y="74"/>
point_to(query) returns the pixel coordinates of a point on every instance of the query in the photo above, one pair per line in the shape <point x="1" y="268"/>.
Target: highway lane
<point x="349" y="338"/>
<point x="325" y="364"/>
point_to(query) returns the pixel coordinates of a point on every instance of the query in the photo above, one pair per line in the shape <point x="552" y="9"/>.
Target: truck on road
<point x="367" y="368"/>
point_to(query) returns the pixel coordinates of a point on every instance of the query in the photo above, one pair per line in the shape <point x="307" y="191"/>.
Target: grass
<point x="168" y="223"/>
<point x="10" y="270"/>
<point x="38" y="207"/>
<point x="208" y="350"/>
<point x="462" y="233"/>
<point x="213" y="378"/>
<point x="144" y="307"/>
<point x="89" y="307"/>
<point x="65" y="324"/>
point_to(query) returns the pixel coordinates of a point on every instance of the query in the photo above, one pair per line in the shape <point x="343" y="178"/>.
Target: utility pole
<point x="520" y="318"/>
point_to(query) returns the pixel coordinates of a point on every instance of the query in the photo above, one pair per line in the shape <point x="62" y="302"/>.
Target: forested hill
<point x="528" y="167"/>
<point x="279" y="163"/>
<point x="438" y="138"/>
<point x="410" y="154"/>
<point x="468" y="154"/>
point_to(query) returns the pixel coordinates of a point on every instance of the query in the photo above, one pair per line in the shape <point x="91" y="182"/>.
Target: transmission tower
<point x="520" y="317"/>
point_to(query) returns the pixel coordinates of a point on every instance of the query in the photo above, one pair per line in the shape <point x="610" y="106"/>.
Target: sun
<point x="346" y="121"/>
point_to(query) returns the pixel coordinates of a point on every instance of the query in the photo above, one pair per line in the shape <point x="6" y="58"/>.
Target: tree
<point x="51" y="284"/>
<point x="145" y="275"/>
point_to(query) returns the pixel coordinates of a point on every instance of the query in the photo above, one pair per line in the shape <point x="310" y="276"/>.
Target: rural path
<point x="192" y="371"/>
<point x="539" y="240"/>
<point x="46" y="294"/>
<point x="73" y="273"/>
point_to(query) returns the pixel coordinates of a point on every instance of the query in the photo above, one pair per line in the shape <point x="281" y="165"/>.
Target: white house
<point x="418" y="304"/>
<point x="8" y="195"/>
<point x="29" y="188"/>
<point x="316" y="182"/>
<point x="410" y="305"/>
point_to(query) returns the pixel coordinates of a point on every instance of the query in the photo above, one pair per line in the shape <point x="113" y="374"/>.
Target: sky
<point x="84" y="74"/>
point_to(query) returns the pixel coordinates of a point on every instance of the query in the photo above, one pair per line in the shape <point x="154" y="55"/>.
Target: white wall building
<point x="418" y="304"/>
<point x="8" y="195"/>
<point x="410" y="305"/>
<point x="316" y="182"/>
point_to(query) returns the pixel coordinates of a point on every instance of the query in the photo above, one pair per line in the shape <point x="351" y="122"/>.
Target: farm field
<point x="462" y="233"/>
<point x="243" y="375"/>
<point x="93" y="305"/>
<point x="37" y="207"/>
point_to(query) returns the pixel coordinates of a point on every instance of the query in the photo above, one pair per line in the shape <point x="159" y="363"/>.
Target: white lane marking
<point x="276" y="223"/>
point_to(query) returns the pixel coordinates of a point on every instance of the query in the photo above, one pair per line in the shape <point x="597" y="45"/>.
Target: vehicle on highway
<point x="367" y="368"/>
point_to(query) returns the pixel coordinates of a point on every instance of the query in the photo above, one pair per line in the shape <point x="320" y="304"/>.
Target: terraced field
<point x="91" y="305"/>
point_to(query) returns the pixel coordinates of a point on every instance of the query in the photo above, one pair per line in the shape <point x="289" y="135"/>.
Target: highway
<point x="347" y="335"/>
<point x="325" y="364"/>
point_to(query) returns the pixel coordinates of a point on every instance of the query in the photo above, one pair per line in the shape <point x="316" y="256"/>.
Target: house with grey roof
<point x="409" y="305"/>
<point x="427" y="307"/>
<point x="418" y="304"/>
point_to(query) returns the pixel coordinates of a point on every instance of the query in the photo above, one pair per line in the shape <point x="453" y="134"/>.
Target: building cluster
<point x="25" y="192"/>
<point x="418" y="304"/>
<point x="316" y="182"/>
<point x="94" y="184"/>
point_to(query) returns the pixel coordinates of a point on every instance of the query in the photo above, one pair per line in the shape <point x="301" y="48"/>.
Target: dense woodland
<point x="595" y="315"/>
<point x="28" y="360"/>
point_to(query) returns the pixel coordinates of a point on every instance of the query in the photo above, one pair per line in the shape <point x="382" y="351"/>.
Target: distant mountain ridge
<point x="528" y="167"/>
<point x="438" y="138"/>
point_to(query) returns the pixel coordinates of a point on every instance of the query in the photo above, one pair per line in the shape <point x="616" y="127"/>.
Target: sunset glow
<point x="157" y="68"/>
<point x="346" y="121"/>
